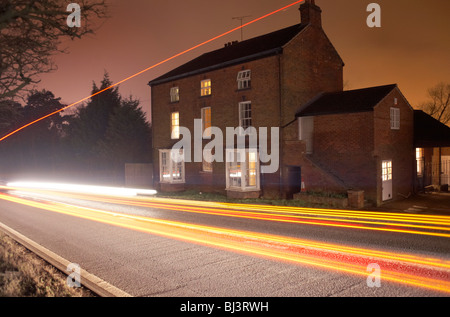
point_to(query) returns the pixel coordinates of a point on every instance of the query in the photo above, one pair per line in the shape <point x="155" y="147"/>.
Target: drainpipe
<point x="440" y="168"/>
<point x="280" y="137"/>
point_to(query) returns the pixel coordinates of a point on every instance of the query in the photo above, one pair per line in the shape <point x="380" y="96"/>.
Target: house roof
<point x="258" y="47"/>
<point x="429" y="132"/>
<point x="359" y="100"/>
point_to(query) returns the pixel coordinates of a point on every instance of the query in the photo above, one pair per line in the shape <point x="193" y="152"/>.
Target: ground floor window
<point x="242" y="169"/>
<point x="171" y="166"/>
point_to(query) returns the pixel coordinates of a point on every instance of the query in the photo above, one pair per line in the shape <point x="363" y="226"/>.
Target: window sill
<point x="173" y="183"/>
<point x="245" y="190"/>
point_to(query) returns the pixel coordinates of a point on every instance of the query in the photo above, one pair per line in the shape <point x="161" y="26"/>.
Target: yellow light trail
<point x="408" y="269"/>
<point x="430" y="225"/>
<point x="149" y="68"/>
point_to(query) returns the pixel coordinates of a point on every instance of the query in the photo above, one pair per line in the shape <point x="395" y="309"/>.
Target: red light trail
<point x="149" y="68"/>
<point x="404" y="268"/>
<point x="429" y="225"/>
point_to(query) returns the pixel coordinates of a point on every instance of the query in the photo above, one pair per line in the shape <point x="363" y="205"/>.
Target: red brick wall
<point x="310" y="65"/>
<point x="395" y="145"/>
<point x="343" y="145"/>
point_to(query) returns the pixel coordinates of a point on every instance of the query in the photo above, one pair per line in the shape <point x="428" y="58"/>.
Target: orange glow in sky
<point x="151" y="67"/>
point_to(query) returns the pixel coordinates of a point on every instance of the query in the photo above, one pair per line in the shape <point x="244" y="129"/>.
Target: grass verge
<point x="215" y="197"/>
<point x="24" y="274"/>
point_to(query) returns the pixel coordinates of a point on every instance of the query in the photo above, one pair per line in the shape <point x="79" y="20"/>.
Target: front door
<point x="386" y="176"/>
<point x="294" y="181"/>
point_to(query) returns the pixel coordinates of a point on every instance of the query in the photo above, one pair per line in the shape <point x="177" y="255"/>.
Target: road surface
<point x="147" y="246"/>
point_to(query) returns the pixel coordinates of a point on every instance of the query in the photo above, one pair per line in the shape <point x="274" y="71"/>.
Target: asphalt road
<point x="145" y="264"/>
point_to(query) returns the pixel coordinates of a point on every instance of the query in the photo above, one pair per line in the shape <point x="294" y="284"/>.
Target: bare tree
<point x="30" y="34"/>
<point x="439" y="104"/>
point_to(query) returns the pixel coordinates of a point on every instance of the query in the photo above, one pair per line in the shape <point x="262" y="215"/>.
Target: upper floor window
<point x="175" y="125"/>
<point x="395" y="118"/>
<point x="174" y="94"/>
<point x="244" y="79"/>
<point x="205" y="89"/>
<point x="245" y="114"/>
<point x="206" y="122"/>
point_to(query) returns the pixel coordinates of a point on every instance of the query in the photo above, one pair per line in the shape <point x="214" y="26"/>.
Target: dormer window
<point x="244" y="79"/>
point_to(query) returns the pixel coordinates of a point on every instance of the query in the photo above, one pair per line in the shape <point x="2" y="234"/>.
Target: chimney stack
<point x="310" y="13"/>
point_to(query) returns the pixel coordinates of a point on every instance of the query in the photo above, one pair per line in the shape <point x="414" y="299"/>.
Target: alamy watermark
<point x="74" y="19"/>
<point x="374" y="278"/>
<point x="74" y="278"/>
<point x="256" y="140"/>
<point x="374" y="18"/>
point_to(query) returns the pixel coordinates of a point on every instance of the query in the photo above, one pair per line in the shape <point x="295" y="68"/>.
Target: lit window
<point x="171" y="166"/>
<point x="175" y="125"/>
<point x="386" y="170"/>
<point x="244" y="79"/>
<point x="174" y="94"/>
<point x="420" y="161"/>
<point x="395" y="118"/>
<point x="242" y="168"/>
<point x="207" y="165"/>
<point x="245" y="114"/>
<point x="205" y="87"/>
<point x="206" y="122"/>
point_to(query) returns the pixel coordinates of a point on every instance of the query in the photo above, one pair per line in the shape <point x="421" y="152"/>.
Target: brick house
<point x="358" y="139"/>
<point x="292" y="79"/>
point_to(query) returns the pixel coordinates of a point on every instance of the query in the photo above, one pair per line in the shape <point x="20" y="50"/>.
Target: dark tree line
<point x="92" y="145"/>
<point x="31" y="32"/>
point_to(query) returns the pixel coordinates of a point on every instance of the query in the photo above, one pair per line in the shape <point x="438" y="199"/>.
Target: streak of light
<point x="430" y="225"/>
<point x="149" y="68"/>
<point x="407" y="269"/>
<point x="78" y="188"/>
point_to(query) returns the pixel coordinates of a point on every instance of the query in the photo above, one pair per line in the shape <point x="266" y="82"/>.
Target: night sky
<point x="411" y="49"/>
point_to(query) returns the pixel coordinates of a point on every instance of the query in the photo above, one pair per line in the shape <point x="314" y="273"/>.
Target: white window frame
<point x="174" y="94"/>
<point x="206" y="122"/>
<point x="242" y="170"/>
<point x="205" y="87"/>
<point x="245" y="114"/>
<point x="171" y="171"/>
<point x="175" y="125"/>
<point x="244" y="79"/>
<point x="395" y="118"/>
